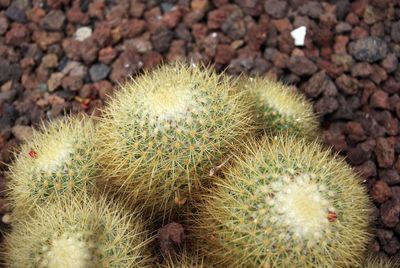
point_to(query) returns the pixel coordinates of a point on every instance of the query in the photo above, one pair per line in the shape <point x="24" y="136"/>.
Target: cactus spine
<point x="378" y="262"/>
<point x="286" y="204"/>
<point x="78" y="232"/>
<point x="166" y="129"/>
<point x="59" y="160"/>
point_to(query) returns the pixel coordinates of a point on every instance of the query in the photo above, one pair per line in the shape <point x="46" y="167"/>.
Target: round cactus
<point x="286" y="204"/>
<point x="78" y="232"/>
<point x="58" y="160"/>
<point x="278" y="108"/>
<point x="166" y="129"/>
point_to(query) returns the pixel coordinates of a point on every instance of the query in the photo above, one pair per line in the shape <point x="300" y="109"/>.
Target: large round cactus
<point x="57" y="161"/>
<point x="279" y="108"/>
<point x="166" y="129"/>
<point x="78" y="232"/>
<point x="286" y="204"/>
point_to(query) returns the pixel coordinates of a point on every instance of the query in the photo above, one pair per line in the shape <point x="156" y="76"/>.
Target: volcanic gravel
<point x="67" y="56"/>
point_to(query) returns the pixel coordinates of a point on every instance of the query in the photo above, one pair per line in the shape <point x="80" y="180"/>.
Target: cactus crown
<point x="166" y="126"/>
<point x="78" y="232"/>
<point x="59" y="160"/>
<point x="288" y="204"/>
<point x="279" y="108"/>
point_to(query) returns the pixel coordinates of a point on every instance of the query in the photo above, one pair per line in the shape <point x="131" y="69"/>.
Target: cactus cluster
<point x="78" y="232"/>
<point x="164" y="130"/>
<point x="58" y="160"/>
<point x="183" y="134"/>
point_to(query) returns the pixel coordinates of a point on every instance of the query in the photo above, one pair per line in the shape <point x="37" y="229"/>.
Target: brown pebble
<point x="381" y="192"/>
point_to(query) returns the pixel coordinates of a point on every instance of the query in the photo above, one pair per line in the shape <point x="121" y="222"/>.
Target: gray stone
<point x="54" y="21"/>
<point x="276" y="8"/>
<point x="15" y="13"/>
<point x="368" y="49"/>
<point x="99" y="72"/>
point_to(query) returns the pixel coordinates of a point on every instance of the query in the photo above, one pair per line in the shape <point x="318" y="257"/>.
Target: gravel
<point x="348" y="68"/>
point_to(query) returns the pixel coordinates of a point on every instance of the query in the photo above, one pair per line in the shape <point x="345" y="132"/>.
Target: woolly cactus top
<point x="288" y="204"/>
<point x="67" y="251"/>
<point x="78" y="232"/>
<point x="58" y="160"/>
<point x="299" y="193"/>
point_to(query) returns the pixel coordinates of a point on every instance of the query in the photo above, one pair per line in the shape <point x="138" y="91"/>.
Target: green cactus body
<point x="278" y="108"/>
<point x="58" y="160"/>
<point x="78" y="232"/>
<point x="288" y="203"/>
<point x="167" y="128"/>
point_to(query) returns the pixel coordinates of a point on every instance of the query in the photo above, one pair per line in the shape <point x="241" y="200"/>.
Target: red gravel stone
<point x="17" y="34"/>
<point x="301" y="66"/>
<point x="384" y="152"/>
<point x="107" y="55"/>
<point x="362" y="69"/>
<point x="380" y="99"/>
<point x="390" y="211"/>
<point x="381" y="192"/>
<point x="340" y="46"/>
<point x="347" y="84"/>
<point x="224" y="54"/>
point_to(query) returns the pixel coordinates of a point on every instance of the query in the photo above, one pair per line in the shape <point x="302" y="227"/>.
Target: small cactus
<point x="58" y="160"/>
<point x="288" y="203"/>
<point x="78" y="232"/>
<point x="278" y="108"/>
<point x="166" y="129"/>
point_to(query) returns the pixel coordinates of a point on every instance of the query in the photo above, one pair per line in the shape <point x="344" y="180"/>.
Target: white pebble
<point x="83" y="33"/>
<point x="299" y="34"/>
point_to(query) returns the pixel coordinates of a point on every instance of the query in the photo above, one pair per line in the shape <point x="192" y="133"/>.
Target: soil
<point x="67" y="56"/>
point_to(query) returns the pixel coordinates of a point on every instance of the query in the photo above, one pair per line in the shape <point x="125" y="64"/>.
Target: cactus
<point x="378" y="262"/>
<point x="287" y="203"/>
<point x="185" y="259"/>
<point x="58" y="160"/>
<point x="278" y="108"/>
<point x="164" y="131"/>
<point x="78" y="232"/>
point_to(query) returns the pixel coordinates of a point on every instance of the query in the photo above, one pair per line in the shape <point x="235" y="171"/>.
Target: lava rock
<point x="318" y="83"/>
<point x="54" y="21"/>
<point x="395" y="32"/>
<point x="384" y="152"/>
<point x="381" y="192"/>
<point x="99" y="72"/>
<point x="390" y="176"/>
<point x="390" y="212"/>
<point x="15" y="13"/>
<point x="368" y="49"/>
<point x="347" y="84"/>
<point x="300" y="65"/>
<point x="276" y="8"/>
<point x="9" y="71"/>
<point x="326" y="105"/>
